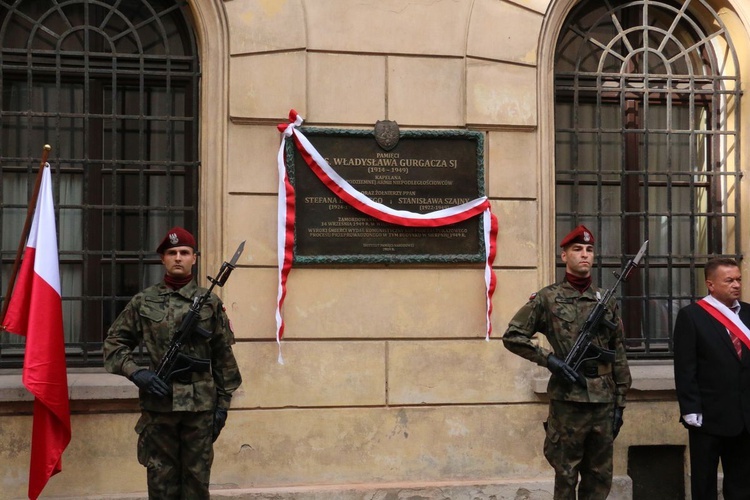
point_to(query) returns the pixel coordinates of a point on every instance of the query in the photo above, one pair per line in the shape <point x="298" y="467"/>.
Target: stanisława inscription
<point x="423" y="172"/>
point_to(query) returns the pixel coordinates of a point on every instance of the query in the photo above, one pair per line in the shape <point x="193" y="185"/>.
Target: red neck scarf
<point x="580" y="284"/>
<point x="177" y="283"/>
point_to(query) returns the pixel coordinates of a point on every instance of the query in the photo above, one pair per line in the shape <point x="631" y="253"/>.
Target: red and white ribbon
<point x="285" y="214"/>
<point x="364" y="204"/>
<point x="726" y="317"/>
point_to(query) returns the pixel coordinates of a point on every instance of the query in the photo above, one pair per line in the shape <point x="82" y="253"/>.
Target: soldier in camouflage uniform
<point x="583" y="421"/>
<point x="180" y="420"/>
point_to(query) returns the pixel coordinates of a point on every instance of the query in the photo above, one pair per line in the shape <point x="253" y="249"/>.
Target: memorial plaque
<point x="423" y="172"/>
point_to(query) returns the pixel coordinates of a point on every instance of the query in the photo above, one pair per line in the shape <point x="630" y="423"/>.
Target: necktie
<point x="737" y="344"/>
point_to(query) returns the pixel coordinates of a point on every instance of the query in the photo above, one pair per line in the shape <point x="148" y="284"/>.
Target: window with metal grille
<point x="647" y="100"/>
<point x="113" y="88"/>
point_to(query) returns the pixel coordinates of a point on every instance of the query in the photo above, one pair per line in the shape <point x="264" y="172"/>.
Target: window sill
<point x="94" y="384"/>
<point x="648" y="376"/>
<point x="84" y="384"/>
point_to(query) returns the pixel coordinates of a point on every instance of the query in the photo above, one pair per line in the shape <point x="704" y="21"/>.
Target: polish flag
<point x="35" y="311"/>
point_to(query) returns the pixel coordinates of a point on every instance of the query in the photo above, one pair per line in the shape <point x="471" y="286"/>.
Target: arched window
<point x="647" y="99"/>
<point x="113" y="88"/>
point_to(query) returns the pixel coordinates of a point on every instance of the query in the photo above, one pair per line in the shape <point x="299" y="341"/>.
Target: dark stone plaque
<point x="424" y="172"/>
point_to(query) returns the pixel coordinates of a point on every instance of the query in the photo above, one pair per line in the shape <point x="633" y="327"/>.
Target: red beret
<point x="176" y="237"/>
<point x="578" y="235"/>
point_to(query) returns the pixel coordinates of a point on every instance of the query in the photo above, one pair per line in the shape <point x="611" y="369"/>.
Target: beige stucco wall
<point x="387" y="382"/>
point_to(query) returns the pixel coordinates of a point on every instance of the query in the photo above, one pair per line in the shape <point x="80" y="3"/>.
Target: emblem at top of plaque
<point x="386" y="134"/>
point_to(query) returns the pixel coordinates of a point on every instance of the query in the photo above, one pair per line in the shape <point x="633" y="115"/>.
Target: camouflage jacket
<point x="151" y="317"/>
<point x="558" y="312"/>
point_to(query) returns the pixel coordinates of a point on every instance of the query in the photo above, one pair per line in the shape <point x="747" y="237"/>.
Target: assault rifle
<point x="175" y="364"/>
<point x="584" y="349"/>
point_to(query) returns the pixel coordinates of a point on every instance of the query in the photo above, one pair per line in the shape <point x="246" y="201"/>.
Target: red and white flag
<point x="35" y="310"/>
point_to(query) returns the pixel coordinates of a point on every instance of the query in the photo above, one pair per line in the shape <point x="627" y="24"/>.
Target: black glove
<point x="561" y="369"/>
<point x="617" y="423"/>
<point x="150" y="382"/>
<point x="220" y="419"/>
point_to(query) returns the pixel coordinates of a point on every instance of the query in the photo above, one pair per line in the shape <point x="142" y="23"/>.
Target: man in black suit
<point x="712" y="376"/>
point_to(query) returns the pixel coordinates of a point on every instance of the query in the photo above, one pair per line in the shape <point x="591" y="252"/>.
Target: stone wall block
<point x="389" y="26"/>
<point x="313" y="374"/>
<point x="503" y="31"/>
<point x="265" y="26"/>
<point x="267" y="85"/>
<point x="382" y="445"/>
<point x="252" y="154"/>
<point x="250" y="298"/>
<point x="100" y="445"/>
<point x="517" y="243"/>
<point x="511" y="152"/>
<point x="539" y="6"/>
<point x="500" y="94"/>
<point x="346" y="88"/>
<point x="253" y="219"/>
<point x="454" y="372"/>
<point x="385" y="303"/>
<point x="514" y="286"/>
<point x="426" y="91"/>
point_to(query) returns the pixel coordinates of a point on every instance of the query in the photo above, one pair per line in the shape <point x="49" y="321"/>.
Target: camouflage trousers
<point x="579" y="441"/>
<point x="177" y="450"/>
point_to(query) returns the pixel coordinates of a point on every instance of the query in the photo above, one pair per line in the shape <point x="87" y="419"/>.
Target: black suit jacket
<point x="709" y="377"/>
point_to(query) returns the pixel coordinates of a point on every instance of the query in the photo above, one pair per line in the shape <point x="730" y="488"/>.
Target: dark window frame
<point x="634" y="90"/>
<point x="115" y="184"/>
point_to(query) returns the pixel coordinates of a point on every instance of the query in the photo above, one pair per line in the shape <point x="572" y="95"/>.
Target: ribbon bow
<point x="295" y="120"/>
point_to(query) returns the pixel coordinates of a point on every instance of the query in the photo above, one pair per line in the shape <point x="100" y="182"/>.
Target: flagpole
<point x="25" y="234"/>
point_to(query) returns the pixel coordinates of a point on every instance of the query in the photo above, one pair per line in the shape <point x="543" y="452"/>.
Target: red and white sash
<point x="356" y="199"/>
<point x="726" y="317"/>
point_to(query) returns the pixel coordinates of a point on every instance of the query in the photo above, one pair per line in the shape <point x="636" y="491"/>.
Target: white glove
<point x="693" y="419"/>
